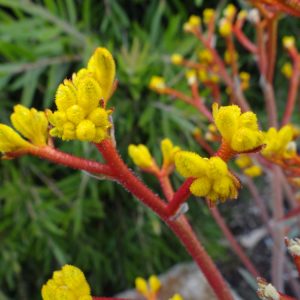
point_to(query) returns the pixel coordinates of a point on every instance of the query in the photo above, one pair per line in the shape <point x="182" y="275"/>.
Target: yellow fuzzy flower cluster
<point x="208" y="15"/>
<point x="288" y="42"/>
<point x="287" y="70"/>
<point x="141" y="156"/>
<point x="279" y="144"/>
<point x="245" y="80"/>
<point x="168" y="151"/>
<point x="157" y="84"/>
<point x="225" y="24"/>
<point x="239" y="130"/>
<point x="247" y="165"/>
<point x="193" y="23"/>
<point x="32" y="124"/>
<point x="148" y="289"/>
<point x="67" y="284"/>
<point x="80" y="113"/>
<point x="213" y="180"/>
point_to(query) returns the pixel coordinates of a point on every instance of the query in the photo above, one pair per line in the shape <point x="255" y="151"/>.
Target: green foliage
<point x="50" y="215"/>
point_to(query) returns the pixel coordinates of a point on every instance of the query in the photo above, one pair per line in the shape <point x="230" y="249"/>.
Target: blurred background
<point x="50" y="215"/>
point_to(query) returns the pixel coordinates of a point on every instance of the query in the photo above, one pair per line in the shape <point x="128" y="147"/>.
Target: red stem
<point x="225" y="152"/>
<point x="293" y="90"/>
<point x="166" y="186"/>
<point x="251" y="47"/>
<point x="182" y="230"/>
<point x="233" y="243"/>
<point x="272" y="46"/>
<point x="180" y="197"/>
<point x="68" y="160"/>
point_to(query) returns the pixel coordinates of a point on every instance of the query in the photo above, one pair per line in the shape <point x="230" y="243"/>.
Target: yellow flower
<point x="229" y="11"/>
<point x="208" y="15"/>
<point x="154" y="283"/>
<point x="288" y="42"/>
<point x="245" y="80"/>
<point x="140" y="156"/>
<point x="203" y="75"/>
<point x="168" y="151"/>
<point x="243" y="161"/>
<point x="287" y="70"/>
<point x="253" y="171"/>
<point x="67" y="284"/>
<point x="148" y="289"/>
<point x="192" y="23"/>
<point x="242" y="14"/>
<point x="31" y="123"/>
<point x="212" y="177"/>
<point x="176" y="59"/>
<point x="229" y="57"/>
<point x="225" y="27"/>
<point x="80" y="114"/>
<point x="103" y="68"/>
<point x="157" y="84"/>
<point x="176" y="297"/>
<point x="279" y="144"/>
<point x="10" y="140"/>
<point x="191" y="77"/>
<point x="239" y="130"/>
<point x="141" y="285"/>
<point x="205" y="56"/>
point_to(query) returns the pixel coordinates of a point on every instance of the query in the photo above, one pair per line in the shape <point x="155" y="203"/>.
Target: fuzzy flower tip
<point x="287" y="70"/>
<point x="239" y="130"/>
<point x="10" y="140"/>
<point x="208" y="15"/>
<point x="279" y="144"/>
<point x="157" y="84"/>
<point x="67" y="284"/>
<point x="148" y="289"/>
<point x="168" y="151"/>
<point x="32" y="124"/>
<point x="212" y="177"/>
<point x="141" y="156"/>
<point x="79" y="114"/>
<point x="176" y="297"/>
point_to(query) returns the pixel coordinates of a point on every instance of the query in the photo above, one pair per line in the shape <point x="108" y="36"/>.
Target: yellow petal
<point x="103" y="66"/>
<point x="190" y="164"/>
<point x="226" y="119"/>
<point x="168" y="151"/>
<point x="141" y="285"/>
<point x="154" y="283"/>
<point x="246" y="139"/>
<point x="31" y="123"/>
<point x="100" y="117"/>
<point x="249" y="120"/>
<point x="140" y="155"/>
<point x="89" y="94"/>
<point x="75" y="114"/>
<point x="200" y="187"/>
<point x="243" y="161"/>
<point x="253" y="171"/>
<point x="86" y="131"/>
<point x="216" y="168"/>
<point x="65" y="95"/>
<point x="10" y="140"/>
